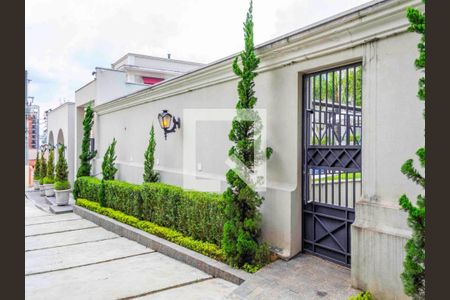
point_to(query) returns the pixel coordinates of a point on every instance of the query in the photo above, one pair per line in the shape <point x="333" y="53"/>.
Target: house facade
<point x="342" y="117"/>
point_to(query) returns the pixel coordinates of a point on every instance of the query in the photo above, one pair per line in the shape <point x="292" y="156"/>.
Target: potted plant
<point x="49" y="180"/>
<point x="36" y="172"/>
<point x="62" y="185"/>
<point x="42" y="173"/>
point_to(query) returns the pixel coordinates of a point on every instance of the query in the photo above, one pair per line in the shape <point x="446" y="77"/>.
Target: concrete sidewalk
<point x="67" y="257"/>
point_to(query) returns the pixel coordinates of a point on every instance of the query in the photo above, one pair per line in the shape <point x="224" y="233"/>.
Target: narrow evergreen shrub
<point x="108" y="165"/>
<point x="108" y="170"/>
<point x="242" y="230"/>
<point x="149" y="174"/>
<point x="87" y="188"/>
<point x="37" y="167"/>
<point x="62" y="172"/>
<point x="43" y="169"/>
<point x="413" y="275"/>
<point x="123" y="196"/>
<point x="86" y="155"/>
<point x="171" y="235"/>
<point x="50" y="176"/>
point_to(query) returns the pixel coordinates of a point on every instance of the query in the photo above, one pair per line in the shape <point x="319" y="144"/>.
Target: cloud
<point x="66" y="40"/>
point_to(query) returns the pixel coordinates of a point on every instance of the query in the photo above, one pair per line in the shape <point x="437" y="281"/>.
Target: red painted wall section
<point x="151" y="80"/>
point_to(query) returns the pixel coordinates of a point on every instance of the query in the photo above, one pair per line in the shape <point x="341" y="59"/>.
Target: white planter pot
<point x="49" y="191"/>
<point x="62" y="197"/>
<point x="36" y="185"/>
<point x="42" y="189"/>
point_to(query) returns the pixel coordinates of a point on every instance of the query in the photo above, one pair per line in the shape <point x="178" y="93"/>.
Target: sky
<point x="66" y="39"/>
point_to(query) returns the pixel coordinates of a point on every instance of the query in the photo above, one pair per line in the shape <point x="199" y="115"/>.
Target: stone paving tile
<point x="67" y="238"/>
<point x="116" y="279"/>
<point x="51" y="218"/>
<point x="212" y="289"/>
<point x="304" y="277"/>
<point x="34" y="212"/>
<point x="58" y="227"/>
<point x="82" y="254"/>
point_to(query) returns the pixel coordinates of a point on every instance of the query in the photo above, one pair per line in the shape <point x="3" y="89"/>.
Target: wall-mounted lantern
<point x="166" y="121"/>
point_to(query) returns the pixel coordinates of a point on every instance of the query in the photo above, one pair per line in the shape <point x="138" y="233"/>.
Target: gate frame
<point x="358" y="61"/>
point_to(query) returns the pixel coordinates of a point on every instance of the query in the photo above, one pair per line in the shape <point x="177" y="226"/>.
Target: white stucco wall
<point x="62" y="119"/>
<point x="392" y="131"/>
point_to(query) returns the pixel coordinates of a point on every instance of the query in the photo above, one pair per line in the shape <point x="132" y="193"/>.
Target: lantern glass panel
<point x="167" y="119"/>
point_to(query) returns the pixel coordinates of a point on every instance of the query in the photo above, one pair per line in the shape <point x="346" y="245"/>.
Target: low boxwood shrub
<point x="87" y="188"/>
<point x="196" y="214"/>
<point x="123" y="196"/>
<point x="362" y="296"/>
<point x="171" y="235"/>
<point x="160" y="203"/>
<point x="62" y="185"/>
<point x="201" y="215"/>
<point x="48" y="180"/>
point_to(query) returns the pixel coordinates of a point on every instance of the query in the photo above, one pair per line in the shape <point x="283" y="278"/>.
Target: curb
<point x="192" y="258"/>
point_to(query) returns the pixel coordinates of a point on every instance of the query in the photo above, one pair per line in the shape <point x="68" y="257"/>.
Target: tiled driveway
<point x="67" y="257"/>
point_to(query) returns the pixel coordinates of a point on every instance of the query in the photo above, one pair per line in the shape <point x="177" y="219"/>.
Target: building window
<point x="151" y="80"/>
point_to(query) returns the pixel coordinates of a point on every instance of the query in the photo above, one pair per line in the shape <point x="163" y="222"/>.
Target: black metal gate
<point x="331" y="160"/>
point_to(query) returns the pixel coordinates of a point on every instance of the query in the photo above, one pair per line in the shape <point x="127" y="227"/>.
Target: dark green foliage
<point x="37" y="167"/>
<point x="51" y="167"/>
<point x="413" y="276"/>
<point x="86" y="155"/>
<point x="199" y="215"/>
<point x="160" y="202"/>
<point x="61" y="171"/>
<point x="62" y="185"/>
<point x="149" y="174"/>
<point x="43" y="169"/>
<point x="87" y="187"/>
<point x="362" y="296"/>
<point x="241" y="231"/>
<point x="108" y="165"/>
<point x="171" y="235"/>
<point x="108" y="170"/>
<point x="123" y="196"/>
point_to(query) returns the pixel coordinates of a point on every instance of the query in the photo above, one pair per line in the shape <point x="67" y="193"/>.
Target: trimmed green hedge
<point x="202" y="215"/>
<point x="124" y="197"/>
<point x="171" y="235"/>
<point x="87" y="187"/>
<point x="362" y="296"/>
<point x="199" y="215"/>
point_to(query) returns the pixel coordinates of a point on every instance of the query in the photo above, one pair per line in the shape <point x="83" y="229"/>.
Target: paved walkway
<point x="305" y="277"/>
<point x="67" y="257"/>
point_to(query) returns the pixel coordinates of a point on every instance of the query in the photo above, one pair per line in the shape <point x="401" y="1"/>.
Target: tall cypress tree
<point x="86" y="155"/>
<point x="43" y="170"/>
<point x="37" y="167"/>
<point x="241" y="236"/>
<point x="108" y="164"/>
<point x="149" y="174"/>
<point x="61" y="166"/>
<point x="413" y="275"/>
<point x="108" y="170"/>
<point x="50" y="177"/>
